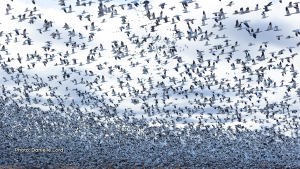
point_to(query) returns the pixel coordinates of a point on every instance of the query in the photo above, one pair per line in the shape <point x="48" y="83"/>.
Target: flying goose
<point x="287" y="11"/>
<point x="230" y="3"/>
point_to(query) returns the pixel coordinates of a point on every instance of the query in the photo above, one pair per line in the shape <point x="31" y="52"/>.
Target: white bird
<point x="290" y="48"/>
<point x="204" y="16"/>
<point x="278" y="37"/>
<point x="206" y="44"/>
<point x="264" y="15"/>
<point x="287" y="11"/>
<point x="230" y="3"/>
<point x="297" y="9"/>
<point x="256" y="8"/>
<point x="276" y="28"/>
<point x="290" y="5"/>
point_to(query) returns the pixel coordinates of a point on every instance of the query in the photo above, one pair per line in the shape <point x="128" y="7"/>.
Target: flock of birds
<point x="167" y="91"/>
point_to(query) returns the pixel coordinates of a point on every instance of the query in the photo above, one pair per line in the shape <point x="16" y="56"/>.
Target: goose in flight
<point x="70" y="9"/>
<point x="204" y="16"/>
<point x="177" y="17"/>
<point x="8" y="7"/>
<point x="264" y="15"/>
<point x="254" y="35"/>
<point x="297" y="32"/>
<point x="64" y="9"/>
<point x="278" y="37"/>
<point x="287" y="11"/>
<point x="256" y="8"/>
<point x="276" y="28"/>
<point x="270" y="27"/>
<point x="290" y="48"/>
<point x="17" y="31"/>
<point x="162" y="5"/>
<point x="66" y="26"/>
<point x="297" y="9"/>
<point x="80" y="17"/>
<point x="172" y="8"/>
<point x="266" y="8"/>
<point x="230" y="3"/>
<point x="290" y="4"/>
<point x="78" y="3"/>
<point x="122" y="6"/>
<point x="135" y="3"/>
